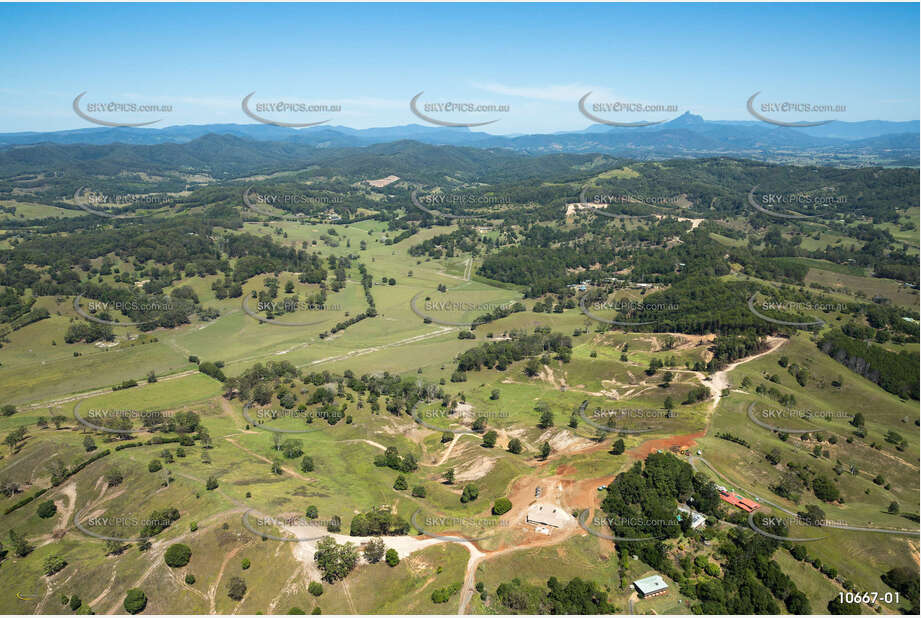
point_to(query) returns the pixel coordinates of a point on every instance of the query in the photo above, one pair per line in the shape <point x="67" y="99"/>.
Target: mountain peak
<point x="687" y="119"/>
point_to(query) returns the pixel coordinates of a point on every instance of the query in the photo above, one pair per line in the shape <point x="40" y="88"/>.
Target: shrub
<point x="236" y="588"/>
<point x="245" y="564"/>
<point x="502" y="506"/>
<point x="471" y="493"/>
<point x="392" y="558"/>
<point x="75" y="603"/>
<point x="53" y="564"/>
<point x="400" y="484"/>
<point x="374" y="550"/>
<point x="154" y="465"/>
<point x="135" y="601"/>
<point x="315" y="588"/>
<point x="177" y="555"/>
<point x="47" y="509"/>
<point x="189" y="579"/>
<point x="418" y="491"/>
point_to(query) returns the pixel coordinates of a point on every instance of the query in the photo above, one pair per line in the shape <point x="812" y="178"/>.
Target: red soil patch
<point x="687" y="440"/>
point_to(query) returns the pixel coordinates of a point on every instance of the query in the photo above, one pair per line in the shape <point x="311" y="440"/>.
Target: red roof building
<point x="735" y="500"/>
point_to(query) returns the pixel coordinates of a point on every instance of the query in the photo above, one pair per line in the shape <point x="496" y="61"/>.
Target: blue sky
<point x="538" y="59"/>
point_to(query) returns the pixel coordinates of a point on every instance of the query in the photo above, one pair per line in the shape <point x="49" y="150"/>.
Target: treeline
<point x="577" y="597"/>
<point x="895" y="372"/>
<point x="500" y="354"/>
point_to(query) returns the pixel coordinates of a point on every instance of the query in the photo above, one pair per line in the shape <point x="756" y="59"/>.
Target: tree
<point x="449" y="476"/>
<point x="494" y="395"/>
<point x="89" y="444"/>
<point x="211" y="483"/>
<point x="135" y="601"/>
<point x="893" y="508"/>
<point x="20" y="544"/>
<point x="618" y="447"/>
<point x="335" y="524"/>
<point x="545" y="450"/>
<point x="501" y="506"/>
<point x="546" y="420"/>
<point x="514" y="446"/>
<point x="335" y="561"/>
<point x="177" y="555"/>
<point x="315" y="588"/>
<point x="114" y="477"/>
<point x="489" y="439"/>
<point x="392" y="557"/>
<point x="236" y="588"/>
<point x="245" y="564"/>
<point x="53" y="564"/>
<point x="374" y="550"/>
<point x="47" y="509"/>
<point x="8" y="410"/>
<point x="400" y="484"/>
<point x="532" y="367"/>
<point x="292" y="448"/>
<point x="307" y="464"/>
<point x="312" y="512"/>
<point x="154" y="465"/>
<point x="824" y="489"/>
<point x="470" y="493"/>
<point x="115" y="547"/>
<point x="418" y="491"/>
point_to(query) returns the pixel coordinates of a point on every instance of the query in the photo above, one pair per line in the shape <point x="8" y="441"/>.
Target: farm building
<point x="651" y="586"/>
<point x="548" y="515"/>
<point x="736" y="500"/>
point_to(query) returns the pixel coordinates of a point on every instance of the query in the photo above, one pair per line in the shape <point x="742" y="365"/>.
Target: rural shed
<point x="651" y="586"/>
<point x="548" y="515"/>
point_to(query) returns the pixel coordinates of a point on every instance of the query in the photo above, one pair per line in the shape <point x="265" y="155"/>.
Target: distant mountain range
<point x="872" y="142"/>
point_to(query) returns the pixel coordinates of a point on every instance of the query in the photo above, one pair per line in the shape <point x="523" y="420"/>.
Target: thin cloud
<point x="562" y="93"/>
